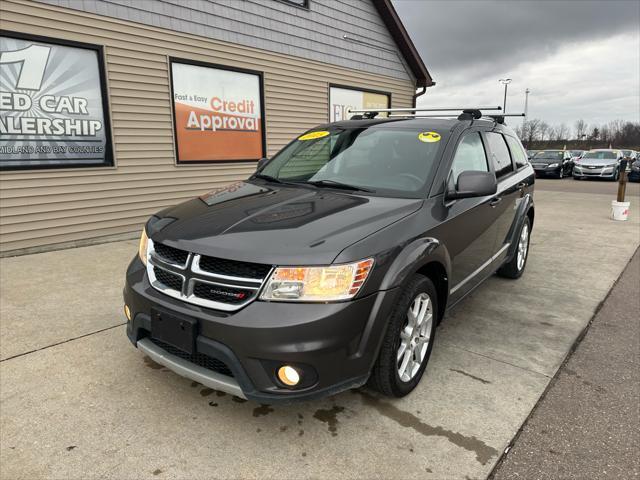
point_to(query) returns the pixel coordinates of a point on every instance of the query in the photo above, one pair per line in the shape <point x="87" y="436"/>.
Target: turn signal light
<point x="127" y="312"/>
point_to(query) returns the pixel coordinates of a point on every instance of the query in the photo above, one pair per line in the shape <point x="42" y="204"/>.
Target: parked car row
<point x="598" y="163"/>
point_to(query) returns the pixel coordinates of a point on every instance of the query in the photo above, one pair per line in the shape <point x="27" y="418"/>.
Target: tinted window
<point x="601" y="155"/>
<point x="550" y="155"/>
<point x="390" y="161"/>
<point x="499" y="154"/>
<point x="517" y="152"/>
<point x="470" y="155"/>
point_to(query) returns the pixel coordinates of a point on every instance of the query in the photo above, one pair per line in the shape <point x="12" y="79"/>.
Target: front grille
<point x="171" y="254"/>
<point x="200" y="359"/>
<point x="168" y="279"/>
<point x="233" y="268"/>
<point x="218" y="293"/>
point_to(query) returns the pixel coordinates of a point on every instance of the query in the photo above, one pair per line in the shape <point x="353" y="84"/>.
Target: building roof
<point x="401" y="36"/>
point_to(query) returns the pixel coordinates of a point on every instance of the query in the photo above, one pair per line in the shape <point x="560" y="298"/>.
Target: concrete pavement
<point x="88" y="405"/>
<point x="588" y="423"/>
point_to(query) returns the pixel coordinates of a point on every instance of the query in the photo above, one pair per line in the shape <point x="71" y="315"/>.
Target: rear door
<point x="509" y="191"/>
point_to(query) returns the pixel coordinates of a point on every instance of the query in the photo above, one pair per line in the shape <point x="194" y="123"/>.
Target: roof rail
<point x="468" y="113"/>
<point x="414" y="109"/>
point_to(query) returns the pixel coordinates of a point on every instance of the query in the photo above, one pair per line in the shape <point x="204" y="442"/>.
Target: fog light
<point x="127" y="312"/>
<point x="288" y="375"/>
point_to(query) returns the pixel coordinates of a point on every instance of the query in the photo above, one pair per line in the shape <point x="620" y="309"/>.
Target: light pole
<point x="505" y="82"/>
<point x="526" y="103"/>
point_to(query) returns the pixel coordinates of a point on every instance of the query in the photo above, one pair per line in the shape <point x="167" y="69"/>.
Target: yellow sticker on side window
<point x="314" y="135"/>
<point x="429" y="137"/>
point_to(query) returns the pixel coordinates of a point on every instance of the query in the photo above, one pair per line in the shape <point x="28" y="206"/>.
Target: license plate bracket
<point x="177" y="331"/>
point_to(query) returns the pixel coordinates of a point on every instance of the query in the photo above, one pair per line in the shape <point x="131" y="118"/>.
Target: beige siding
<point x="57" y="206"/>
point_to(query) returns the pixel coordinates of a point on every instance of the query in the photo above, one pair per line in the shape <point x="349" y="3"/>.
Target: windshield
<point x="576" y="153"/>
<point x="388" y="161"/>
<point x="601" y="155"/>
<point x="549" y="155"/>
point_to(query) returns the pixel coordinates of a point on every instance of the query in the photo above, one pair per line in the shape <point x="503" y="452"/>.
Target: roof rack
<point x="467" y="115"/>
<point x="471" y="113"/>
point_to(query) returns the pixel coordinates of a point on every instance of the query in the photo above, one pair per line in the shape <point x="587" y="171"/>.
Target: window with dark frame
<point x="51" y="119"/>
<point x="297" y="3"/>
<point x="499" y="154"/>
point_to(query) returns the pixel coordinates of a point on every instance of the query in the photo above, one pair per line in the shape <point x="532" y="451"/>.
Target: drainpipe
<point x="416" y="95"/>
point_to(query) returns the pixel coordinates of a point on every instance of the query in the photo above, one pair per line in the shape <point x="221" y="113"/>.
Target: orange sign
<point x="218" y="114"/>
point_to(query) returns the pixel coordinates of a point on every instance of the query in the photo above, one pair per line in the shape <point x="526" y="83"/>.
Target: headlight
<point x="317" y="284"/>
<point x="553" y="165"/>
<point x="143" y="245"/>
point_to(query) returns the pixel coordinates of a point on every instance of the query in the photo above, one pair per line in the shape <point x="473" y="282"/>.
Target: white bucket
<point x="619" y="210"/>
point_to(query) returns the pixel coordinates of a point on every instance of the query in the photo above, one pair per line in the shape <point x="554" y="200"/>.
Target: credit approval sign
<point x="218" y="113"/>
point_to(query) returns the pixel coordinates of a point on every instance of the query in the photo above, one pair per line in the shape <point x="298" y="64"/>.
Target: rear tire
<point x="407" y="344"/>
<point x="515" y="267"/>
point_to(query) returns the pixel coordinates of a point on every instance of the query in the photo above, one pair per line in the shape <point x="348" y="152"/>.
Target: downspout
<point x="416" y="95"/>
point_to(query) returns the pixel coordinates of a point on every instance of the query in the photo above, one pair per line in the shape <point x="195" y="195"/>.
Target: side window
<point x="469" y="155"/>
<point x="499" y="154"/>
<point x="517" y="152"/>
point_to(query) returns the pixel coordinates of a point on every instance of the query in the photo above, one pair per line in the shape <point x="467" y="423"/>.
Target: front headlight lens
<point x="317" y="284"/>
<point x="553" y="165"/>
<point x="143" y="245"/>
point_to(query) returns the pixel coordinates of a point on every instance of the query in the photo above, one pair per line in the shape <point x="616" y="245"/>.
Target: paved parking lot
<point x="78" y="401"/>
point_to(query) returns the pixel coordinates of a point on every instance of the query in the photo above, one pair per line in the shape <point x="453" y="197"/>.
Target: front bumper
<point x="598" y="172"/>
<point x="334" y="344"/>
<point x="543" y="170"/>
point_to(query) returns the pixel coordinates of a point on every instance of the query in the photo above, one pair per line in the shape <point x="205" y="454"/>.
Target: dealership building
<point x="111" y="110"/>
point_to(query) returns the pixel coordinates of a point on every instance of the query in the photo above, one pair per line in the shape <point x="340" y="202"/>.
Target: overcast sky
<point x="580" y="59"/>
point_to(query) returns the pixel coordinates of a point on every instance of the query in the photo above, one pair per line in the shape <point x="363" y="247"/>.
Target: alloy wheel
<point x="523" y="246"/>
<point x="415" y="336"/>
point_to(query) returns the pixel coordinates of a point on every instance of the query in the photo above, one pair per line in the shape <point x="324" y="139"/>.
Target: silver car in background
<point x="601" y="163"/>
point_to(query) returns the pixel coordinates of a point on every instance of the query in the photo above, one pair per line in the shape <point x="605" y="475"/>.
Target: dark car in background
<point x="600" y="163"/>
<point x="634" y="171"/>
<point x="332" y="265"/>
<point x="552" y="163"/>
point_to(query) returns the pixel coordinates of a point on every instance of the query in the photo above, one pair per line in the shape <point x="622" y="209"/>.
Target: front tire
<point x="515" y="267"/>
<point x="408" y="342"/>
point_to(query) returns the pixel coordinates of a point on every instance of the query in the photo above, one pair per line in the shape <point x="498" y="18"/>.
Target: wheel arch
<point x="436" y="272"/>
<point x="425" y="256"/>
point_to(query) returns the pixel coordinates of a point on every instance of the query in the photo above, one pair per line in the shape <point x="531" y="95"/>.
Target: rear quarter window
<point x="517" y="152"/>
<point x="499" y="154"/>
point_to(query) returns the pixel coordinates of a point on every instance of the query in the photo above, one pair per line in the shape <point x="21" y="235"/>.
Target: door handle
<point x="495" y="201"/>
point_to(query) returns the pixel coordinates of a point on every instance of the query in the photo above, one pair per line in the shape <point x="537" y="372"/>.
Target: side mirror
<point x="261" y="163"/>
<point x="473" y="183"/>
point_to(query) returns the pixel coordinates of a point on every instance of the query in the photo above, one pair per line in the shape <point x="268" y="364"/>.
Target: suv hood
<point x="276" y="224"/>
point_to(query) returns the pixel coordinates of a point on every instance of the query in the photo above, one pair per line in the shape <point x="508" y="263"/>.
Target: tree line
<point x="538" y="134"/>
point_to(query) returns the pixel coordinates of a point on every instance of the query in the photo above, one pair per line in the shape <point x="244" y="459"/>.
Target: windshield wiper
<point x="336" y="184"/>
<point x="269" y="178"/>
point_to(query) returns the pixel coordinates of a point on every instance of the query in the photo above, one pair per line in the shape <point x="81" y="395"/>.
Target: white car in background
<point x="600" y="163"/>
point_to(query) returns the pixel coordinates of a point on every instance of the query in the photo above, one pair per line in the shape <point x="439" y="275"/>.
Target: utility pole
<point x="505" y="82"/>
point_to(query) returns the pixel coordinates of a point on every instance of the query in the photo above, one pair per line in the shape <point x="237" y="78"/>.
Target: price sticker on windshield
<point x="429" y="137"/>
<point x="314" y="135"/>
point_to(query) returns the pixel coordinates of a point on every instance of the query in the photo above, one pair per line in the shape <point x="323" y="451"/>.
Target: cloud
<point x="580" y="59"/>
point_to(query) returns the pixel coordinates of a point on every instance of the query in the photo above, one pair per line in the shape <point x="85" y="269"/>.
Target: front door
<point x="470" y="228"/>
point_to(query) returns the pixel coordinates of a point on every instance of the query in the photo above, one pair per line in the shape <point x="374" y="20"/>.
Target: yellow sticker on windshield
<point x="429" y="137"/>
<point x="314" y="135"/>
